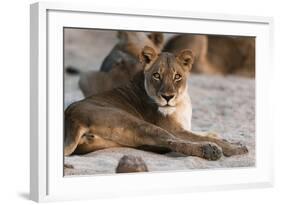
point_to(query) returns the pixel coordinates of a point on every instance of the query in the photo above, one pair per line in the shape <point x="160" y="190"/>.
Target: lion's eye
<point x="156" y="76"/>
<point x="177" y="77"/>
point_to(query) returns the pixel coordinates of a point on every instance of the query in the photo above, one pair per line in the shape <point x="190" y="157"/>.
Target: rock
<point x="129" y="163"/>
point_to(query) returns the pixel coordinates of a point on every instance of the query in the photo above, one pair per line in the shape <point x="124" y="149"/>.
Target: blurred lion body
<point x="121" y="64"/>
<point x="218" y="54"/>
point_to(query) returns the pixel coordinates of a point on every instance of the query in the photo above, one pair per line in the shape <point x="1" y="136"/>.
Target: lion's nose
<point x="167" y="97"/>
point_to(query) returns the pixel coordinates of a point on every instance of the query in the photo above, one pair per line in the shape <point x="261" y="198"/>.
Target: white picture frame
<point x="46" y="168"/>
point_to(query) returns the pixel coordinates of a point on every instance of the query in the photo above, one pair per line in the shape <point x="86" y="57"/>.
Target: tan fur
<point x="94" y="82"/>
<point x="218" y="54"/>
<point x="130" y="115"/>
<point x="195" y="42"/>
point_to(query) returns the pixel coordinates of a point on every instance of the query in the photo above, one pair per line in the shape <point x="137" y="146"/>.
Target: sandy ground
<point x="225" y="105"/>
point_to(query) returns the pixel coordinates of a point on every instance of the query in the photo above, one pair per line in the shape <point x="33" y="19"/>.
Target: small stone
<point x="129" y="163"/>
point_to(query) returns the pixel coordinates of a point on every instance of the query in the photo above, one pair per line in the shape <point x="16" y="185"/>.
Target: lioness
<point x="121" y="64"/>
<point x="153" y="109"/>
<point x="217" y="54"/>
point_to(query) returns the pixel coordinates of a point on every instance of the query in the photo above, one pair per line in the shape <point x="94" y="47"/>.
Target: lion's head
<point x="166" y="76"/>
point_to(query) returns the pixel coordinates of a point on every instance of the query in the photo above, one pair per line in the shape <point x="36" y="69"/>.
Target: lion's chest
<point x="183" y="116"/>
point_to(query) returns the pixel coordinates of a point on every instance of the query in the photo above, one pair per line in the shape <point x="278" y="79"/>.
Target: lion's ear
<point x="157" y="38"/>
<point x="147" y="55"/>
<point x="185" y="58"/>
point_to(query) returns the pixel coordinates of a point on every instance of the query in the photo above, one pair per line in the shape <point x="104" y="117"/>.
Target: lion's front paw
<point x="211" y="151"/>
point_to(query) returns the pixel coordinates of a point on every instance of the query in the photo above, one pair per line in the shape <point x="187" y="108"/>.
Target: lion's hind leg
<point x="73" y="133"/>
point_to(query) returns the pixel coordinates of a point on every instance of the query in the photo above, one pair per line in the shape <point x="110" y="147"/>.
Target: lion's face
<point x="166" y="76"/>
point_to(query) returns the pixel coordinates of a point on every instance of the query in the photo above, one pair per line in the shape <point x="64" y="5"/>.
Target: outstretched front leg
<point x="136" y="132"/>
<point x="228" y="148"/>
<point x="126" y="130"/>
